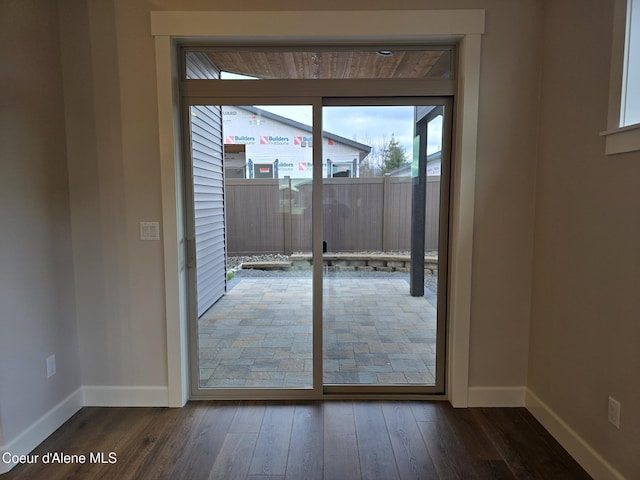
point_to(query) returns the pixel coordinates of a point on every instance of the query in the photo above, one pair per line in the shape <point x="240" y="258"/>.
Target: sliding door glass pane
<point x="258" y="333"/>
<point x="375" y="332"/>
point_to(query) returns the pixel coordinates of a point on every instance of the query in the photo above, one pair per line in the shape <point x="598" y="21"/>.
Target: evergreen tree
<point x="393" y="156"/>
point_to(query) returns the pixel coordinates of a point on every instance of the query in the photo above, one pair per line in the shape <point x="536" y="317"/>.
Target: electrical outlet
<point x="51" y="366"/>
<point x="613" y="413"/>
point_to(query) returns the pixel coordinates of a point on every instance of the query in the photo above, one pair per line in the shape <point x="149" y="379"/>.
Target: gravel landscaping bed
<point x="234" y="266"/>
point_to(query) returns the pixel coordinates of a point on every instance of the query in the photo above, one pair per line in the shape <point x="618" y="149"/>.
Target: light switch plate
<point x="613" y="413"/>
<point x="51" y="366"/>
<point x="149" y="231"/>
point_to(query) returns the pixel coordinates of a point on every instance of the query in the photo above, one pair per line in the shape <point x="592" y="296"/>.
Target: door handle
<point x="191" y="252"/>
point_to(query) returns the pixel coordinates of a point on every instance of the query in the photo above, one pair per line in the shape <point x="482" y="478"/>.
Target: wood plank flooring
<point x="333" y="440"/>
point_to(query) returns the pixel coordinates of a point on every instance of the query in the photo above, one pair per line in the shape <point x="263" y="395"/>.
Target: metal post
<point x="419" y="198"/>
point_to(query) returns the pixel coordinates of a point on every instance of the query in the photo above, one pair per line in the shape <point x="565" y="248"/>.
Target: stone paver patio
<point x="259" y="334"/>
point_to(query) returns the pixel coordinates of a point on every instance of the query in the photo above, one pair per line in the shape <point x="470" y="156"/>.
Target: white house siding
<point x="266" y="140"/>
<point x="208" y="199"/>
<point x="208" y="190"/>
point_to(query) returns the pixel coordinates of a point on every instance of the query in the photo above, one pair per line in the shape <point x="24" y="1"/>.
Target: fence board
<point x="372" y="213"/>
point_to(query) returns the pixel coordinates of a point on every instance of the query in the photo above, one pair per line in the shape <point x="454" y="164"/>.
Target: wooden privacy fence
<point x="359" y="214"/>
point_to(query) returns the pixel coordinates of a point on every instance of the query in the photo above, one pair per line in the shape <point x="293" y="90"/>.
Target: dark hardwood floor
<point x="303" y="441"/>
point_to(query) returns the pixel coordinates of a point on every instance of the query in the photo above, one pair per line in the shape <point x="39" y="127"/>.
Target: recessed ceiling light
<point x="385" y="53"/>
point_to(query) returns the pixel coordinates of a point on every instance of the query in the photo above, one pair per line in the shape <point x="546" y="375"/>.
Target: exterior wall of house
<point x="37" y="301"/>
<point x="585" y="302"/>
<point x="267" y="140"/>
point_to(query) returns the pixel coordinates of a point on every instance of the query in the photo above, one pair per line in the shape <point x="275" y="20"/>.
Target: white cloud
<point x="371" y="125"/>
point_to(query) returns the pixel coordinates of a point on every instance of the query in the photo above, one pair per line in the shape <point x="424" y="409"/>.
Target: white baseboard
<point x="578" y="448"/>
<point x="41" y="428"/>
<point x="125" y="396"/>
<point x="496" y="396"/>
<point x="88" y="396"/>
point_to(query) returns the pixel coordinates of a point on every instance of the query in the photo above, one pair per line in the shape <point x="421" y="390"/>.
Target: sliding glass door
<point x="316" y="246"/>
<point x="316" y="219"/>
<point x="381" y="227"/>
<point x="250" y="188"/>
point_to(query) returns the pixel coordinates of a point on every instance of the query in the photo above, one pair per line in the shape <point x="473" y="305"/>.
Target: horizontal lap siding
<point x="199" y="66"/>
<point x="208" y="200"/>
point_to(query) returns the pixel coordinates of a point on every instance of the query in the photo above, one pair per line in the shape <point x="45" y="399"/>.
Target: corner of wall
<point x="30" y="438"/>
<point x="578" y="448"/>
<point x="497" y="396"/>
<point x="125" y="396"/>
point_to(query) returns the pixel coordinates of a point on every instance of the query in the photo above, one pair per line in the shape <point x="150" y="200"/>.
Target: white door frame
<point x="465" y="27"/>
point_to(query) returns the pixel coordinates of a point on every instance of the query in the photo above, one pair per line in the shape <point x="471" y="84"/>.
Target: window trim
<point x="171" y="29"/>
<point x="619" y="139"/>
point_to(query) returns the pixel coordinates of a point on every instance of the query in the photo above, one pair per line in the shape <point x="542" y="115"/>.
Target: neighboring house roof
<point x="405" y="170"/>
<point x="292" y="123"/>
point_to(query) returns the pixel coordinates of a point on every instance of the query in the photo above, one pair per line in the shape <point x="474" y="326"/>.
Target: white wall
<point x="505" y="181"/>
<point x="111" y="111"/>
<point x="572" y="340"/>
<point x="585" y="303"/>
<point x="37" y="303"/>
<point x="119" y="278"/>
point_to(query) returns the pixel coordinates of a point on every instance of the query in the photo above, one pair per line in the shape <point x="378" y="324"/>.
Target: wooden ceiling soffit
<point x="335" y="64"/>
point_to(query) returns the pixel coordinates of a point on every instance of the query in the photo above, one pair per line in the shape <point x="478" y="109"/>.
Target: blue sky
<point x="372" y="126"/>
